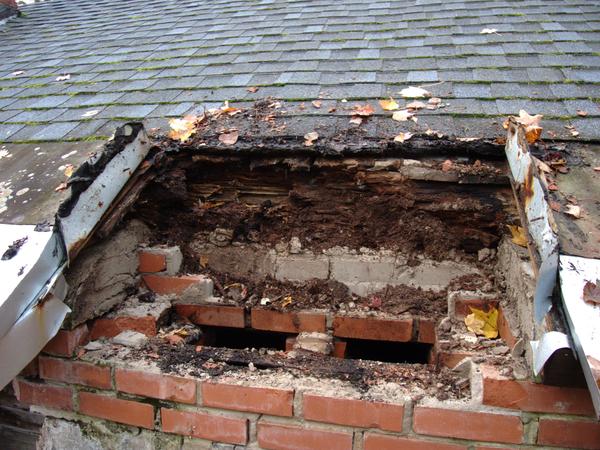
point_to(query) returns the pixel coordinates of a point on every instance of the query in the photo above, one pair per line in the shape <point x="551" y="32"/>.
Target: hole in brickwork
<point x="241" y="338"/>
<point x="393" y="352"/>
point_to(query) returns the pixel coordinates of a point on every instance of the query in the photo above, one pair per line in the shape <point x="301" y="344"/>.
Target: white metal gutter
<point x="32" y="288"/>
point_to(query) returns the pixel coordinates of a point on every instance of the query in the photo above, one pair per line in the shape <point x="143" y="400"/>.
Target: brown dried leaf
<point x="597" y="169"/>
<point x="434" y="101"/>
<point x="582" y="113"/>
<point x="591" y="292"/>
<point x="447" y="165"/>
<point x="365" y="110"/>
<point x="402" y="116"/>
<point x="574" y="211"/>
<point x="61" y="187"/>
<point x="389" y="105"/>
<point x="310" y="138"/>
<point x="252" y="89"/>
<point x="229" y="138"/>
<point x="533" y="130"/>
<point x="317" y="103"/>
<point x="554" y="206"/>
<point x="416" y="105"/>
<point x="356" y="120"/>
<point x="332" y="109"/>
<point x="572" y="130"/>
<point x="402" y="137"/>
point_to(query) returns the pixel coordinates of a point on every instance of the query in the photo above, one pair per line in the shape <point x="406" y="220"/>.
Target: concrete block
<point x="314" y="342"/>
<point x="301" y="267"/>
<point x="362" y="269"/>
<point x="131" y="339"/>
<point x="432" y="275"/>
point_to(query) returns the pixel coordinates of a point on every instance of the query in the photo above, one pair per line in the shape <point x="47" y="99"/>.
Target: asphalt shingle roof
<point x="153" y="59"/>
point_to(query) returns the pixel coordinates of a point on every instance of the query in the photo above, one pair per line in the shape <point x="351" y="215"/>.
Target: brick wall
<point x="513" y="414"/>
<point x="9" y="3"/>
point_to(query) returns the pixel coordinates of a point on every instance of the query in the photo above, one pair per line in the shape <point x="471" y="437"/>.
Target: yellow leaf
<point x="518" y="235"/>
<point x="69" y="170"/>
<point x="182" y="129"/>
<point x="483" y="323"/>
<point x="287" y="301"/>
<point x="533" y="130"/>
<point x="389" y="105"/>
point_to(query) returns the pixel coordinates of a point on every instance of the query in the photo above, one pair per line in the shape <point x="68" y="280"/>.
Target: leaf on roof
<point x="447" y="165"/>
<point x="91" y="113"/>
<point x="356" y="120"/>
<point x="572" y="130"/>
<point x="69" y="169"/>
<point x="591" y="292"/>
<point x="483" y="323"/>
<point x="63" y="77"/>
<point x="317" y="103"/>
<point x="403" y="137"/>
<point x="489" y="31"/>
<point x="582" y="113"/>
<point x="518" y="235"/>
<point x="252" y="89"/>
<point x="389" y="105"/>
<point x="310" y="138"/>
<point x="182" y="129"/>
<point x="365" y="110"/>
<point x="416" y="105"/>
<point x="61" y="187"/>
<point x="414" y="92"/>
<point x="229" y="138"/>
<point x="533" y="130"/>
<point x="402" y="116"/>
<point x="17" y="73"/>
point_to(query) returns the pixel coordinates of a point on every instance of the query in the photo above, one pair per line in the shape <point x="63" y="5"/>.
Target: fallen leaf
<point x="430" y="132"/>
<point x="363" y="110"/>
<point x="572" y="199"/>
<point x="414" y="92"/>
<point x="533" y="130"/>
<point x="402" y="137"/>
<point x="402" y="116"/>
<point x="310" y="138"/>
<point x="344" y="100"/>
<point x="69" y="169"/>
<point x="17" y="73"/>
<point x="317" y="103"/>
<point x="182" y="129"/>
<point x="332" y="109"/>
<point x="229" y="138"/>
<point x="554" y="206"/>
<point x="356" y="120"/>
<point x="434" y="101"/>
<point x="203" y="261"/>
<point x="389" y="105"/>
<point x="518" y="235"/>
<point x="287" y="301"/>
<point x="543" y="166"/>
<point x="572" y="130"/>
<point x="252" y="89"/>
<point x="489" y="31"/>
<point x="573" y="211"/>
<point x="466" y="139"/>
<point x="552" y="187"/>
<point x="173" y="339"/>
<point x="447" y="165"/>
<point x="597" y="169"/>
<point x="301" y="106"/>
<point x="483" y="323"/>
<point x="591" y="292"/>
<point x="61" y="187"/>
<point x="416" y="105"/>
<point x="63" y="77"/>
<point x="582" y="113"/>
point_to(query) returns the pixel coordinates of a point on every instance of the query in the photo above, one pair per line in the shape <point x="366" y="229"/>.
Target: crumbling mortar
<point x="408" y="417"/>
<point x="530" y="427"/>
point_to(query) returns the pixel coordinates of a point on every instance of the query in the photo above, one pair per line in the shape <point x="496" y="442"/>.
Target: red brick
<point x="339" y="348"/>
<point x="284" y="322"/>
<point x="151" y="262"/>
<point x="569" y="433"/>
<point x="75" y="372"/>
<point x="505" y="330"/>
<point x="57" y="397"/>
<point x="386" y="442"/>
<point x="533" y="397"/>
<point x="211" y="315"/>
<point x="275" y="402"/>
<point x="66" y="341"/>
<point x="355" y="413"/>
<point x="473" y="425"/>
<point x="163" y="284"/>
<point x="164" y="387"/>
<point x="108" y="328"/>
<point x="374" y="329"/>
<point x="31" y="369"/>
<point x="427" y="331"/>
<point x="284" y="437"/>
<point x="451" y="359"/>
<point x="289" y="343"/>
<point x="116" y="409"/>
<point x="231" y="430"/>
